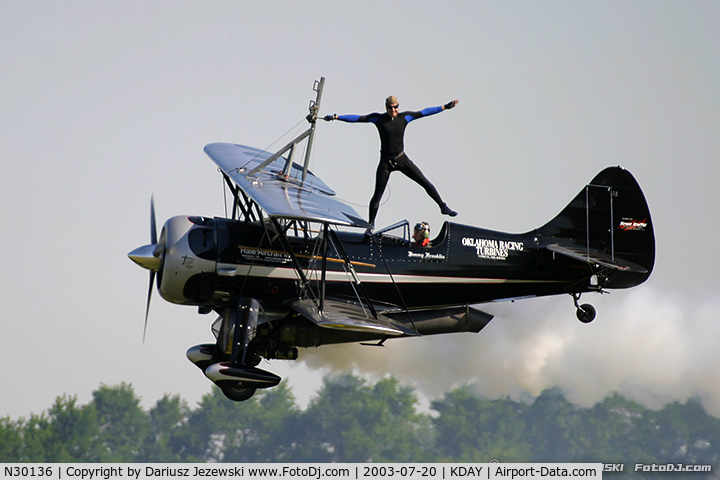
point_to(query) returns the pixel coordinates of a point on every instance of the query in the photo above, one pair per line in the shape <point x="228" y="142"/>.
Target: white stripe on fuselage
<point x="334" y="276"/>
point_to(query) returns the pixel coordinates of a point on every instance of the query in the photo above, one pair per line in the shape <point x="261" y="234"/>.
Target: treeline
<point x="352" y="420"/>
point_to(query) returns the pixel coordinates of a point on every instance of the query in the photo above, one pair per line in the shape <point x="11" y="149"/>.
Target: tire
<point x="586" y="313"/>
<point x="238" y="393"/>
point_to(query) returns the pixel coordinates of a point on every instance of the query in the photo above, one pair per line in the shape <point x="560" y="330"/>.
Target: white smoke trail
<point x="650" y="347"/>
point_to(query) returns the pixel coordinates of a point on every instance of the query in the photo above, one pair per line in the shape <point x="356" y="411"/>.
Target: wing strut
<point x="373" y="239"/>
<point x="323" y="247"/>
<point x="245" y="203"/>
<point x="309" y="134"/>
<point x="328" y="235"/>
<point x="296" y="264"/>
<point x="339" y="249"/>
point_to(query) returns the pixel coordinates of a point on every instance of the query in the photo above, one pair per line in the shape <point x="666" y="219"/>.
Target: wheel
<point x="586" y="313"/>
<point x="238" y="393"/>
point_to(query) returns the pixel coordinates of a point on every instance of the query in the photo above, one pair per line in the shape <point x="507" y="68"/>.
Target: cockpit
<point x="401" y="232"/>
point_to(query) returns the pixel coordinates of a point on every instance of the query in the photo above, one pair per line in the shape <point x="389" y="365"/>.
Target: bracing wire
<point x="266" y="149"/>
<point x="253" y="158"/>
<point x="365" y="205"/>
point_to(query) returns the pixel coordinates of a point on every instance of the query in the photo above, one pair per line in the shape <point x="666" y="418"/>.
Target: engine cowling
<point x="189" y="264"/>
<point x="203" y="261"/>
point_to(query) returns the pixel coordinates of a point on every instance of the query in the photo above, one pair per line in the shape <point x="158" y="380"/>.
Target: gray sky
<point x="102" y="104"/>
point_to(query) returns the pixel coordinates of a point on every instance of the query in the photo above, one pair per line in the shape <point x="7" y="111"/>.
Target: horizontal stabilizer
<point x="340" y="315"/>
<point x="591" y="255"/>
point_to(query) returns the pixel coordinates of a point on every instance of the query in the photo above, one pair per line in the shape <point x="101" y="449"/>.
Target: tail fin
<point x="607" y="223"/>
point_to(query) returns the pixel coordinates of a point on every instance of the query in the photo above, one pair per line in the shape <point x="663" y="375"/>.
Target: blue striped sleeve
<point x="410" y="116"/>
<point x="431" y="110"/>
<point x="370" y="117"/>
<point x="349" y="118"/>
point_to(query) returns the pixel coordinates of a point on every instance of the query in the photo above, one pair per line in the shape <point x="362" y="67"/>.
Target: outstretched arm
<point x="410" y="116"/>
<point x="372" y="117"/>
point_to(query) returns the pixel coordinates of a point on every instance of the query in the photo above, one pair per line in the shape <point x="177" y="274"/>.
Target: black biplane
<point x="291" y="268"/>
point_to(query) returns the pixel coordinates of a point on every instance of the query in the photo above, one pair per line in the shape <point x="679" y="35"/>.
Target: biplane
<point x="291" y="267"/>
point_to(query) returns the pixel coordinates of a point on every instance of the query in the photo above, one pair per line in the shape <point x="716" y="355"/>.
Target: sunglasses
<point x="393" y="107"/>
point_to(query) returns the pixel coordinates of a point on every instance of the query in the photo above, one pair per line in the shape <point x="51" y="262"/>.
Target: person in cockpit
<point x="421" y="234"/>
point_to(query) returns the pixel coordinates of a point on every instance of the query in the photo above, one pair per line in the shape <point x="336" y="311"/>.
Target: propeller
<point x="153" y="241"/>
<point x="149" y="257"/>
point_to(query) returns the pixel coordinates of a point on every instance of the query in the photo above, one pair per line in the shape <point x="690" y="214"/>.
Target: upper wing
<point x="310" y="200"/>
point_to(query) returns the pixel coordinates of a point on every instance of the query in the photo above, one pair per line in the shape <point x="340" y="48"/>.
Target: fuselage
<point x="463" y="265"/>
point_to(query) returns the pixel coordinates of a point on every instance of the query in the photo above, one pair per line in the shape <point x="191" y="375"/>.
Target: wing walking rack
<point x="278" y="185"/>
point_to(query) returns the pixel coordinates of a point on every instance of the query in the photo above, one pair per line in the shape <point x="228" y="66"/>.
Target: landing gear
<point x="585" y="313"/>
<point x="239" y="382"/>
<point x="232" y="362"/>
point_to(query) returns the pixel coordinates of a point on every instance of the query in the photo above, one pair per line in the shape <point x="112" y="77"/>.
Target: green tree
<point x="10" y="440"/>
<point x="474" y="429"/>
<point x="198" y="439"/>
<point x="350" y="421"/>
<point x="552" y="423"/>
<point x="400" y="433"/>
<point x="74" y="432"/>
<point x="268" y="434"/>
<point x="691" y="435"/>
<point x="616" y="431"/>
<point x="36" y="435"/>
<point x="123" y="424"/>
<point x="256" y="430"/>
<point x="164" y="443"/>
<point x="67" y="433"/>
